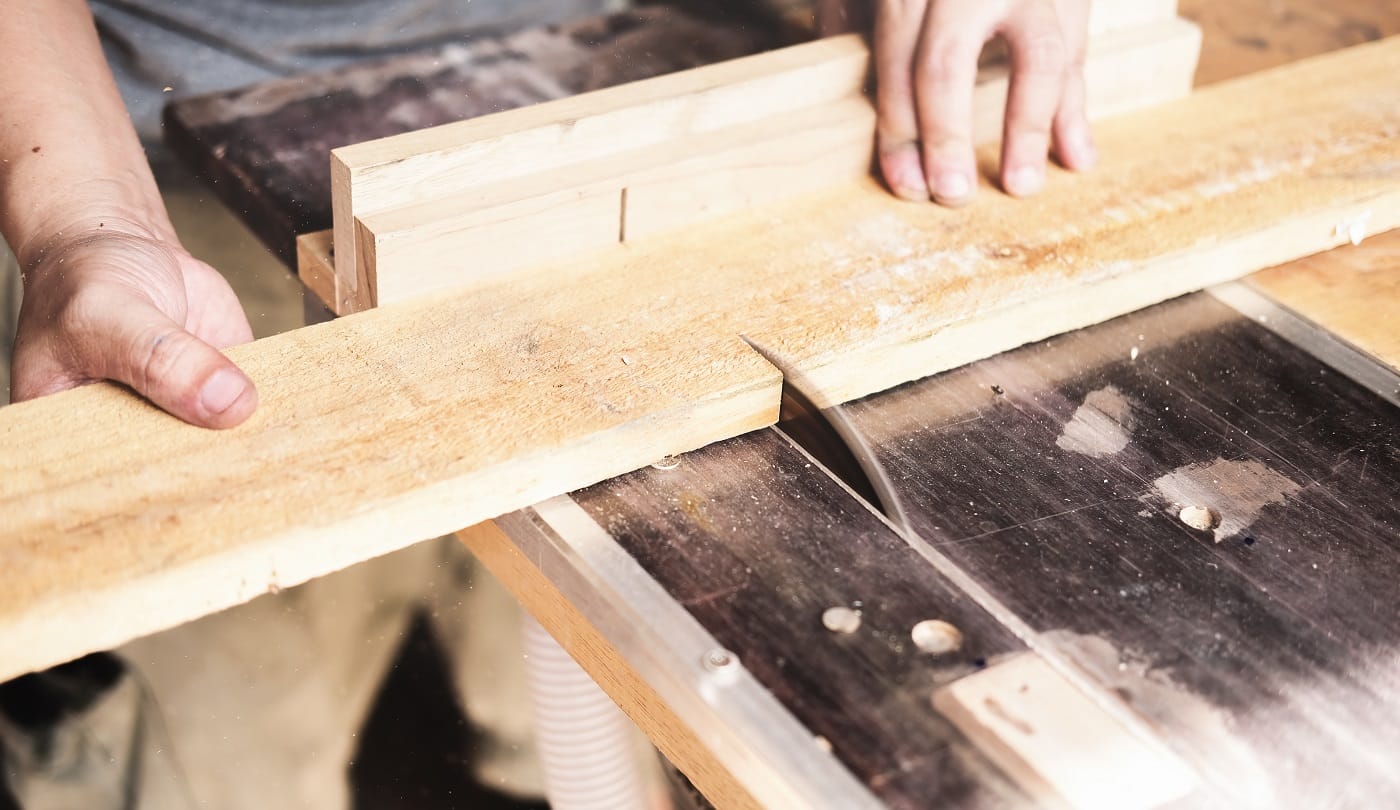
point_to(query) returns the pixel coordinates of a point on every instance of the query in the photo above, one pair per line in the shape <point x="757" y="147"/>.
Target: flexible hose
<point x="585" y="741"/>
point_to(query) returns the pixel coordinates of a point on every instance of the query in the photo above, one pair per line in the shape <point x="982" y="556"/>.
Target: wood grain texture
<point x="372" y="433"/>
<point x="381" y="175"/>
<point x="316" y="263"/>
<point x="460" y="236"/>
<point x="861" y="292"/>
<point x="392" y="426"/>
<point x="1353" y="292"/>
<point x="264" y="149"/>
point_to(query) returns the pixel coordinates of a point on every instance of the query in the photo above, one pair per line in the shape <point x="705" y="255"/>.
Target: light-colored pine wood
<point x="477" y="233"/>
<point x="439" y="162"/>
<point x="373" y="432"/>
<point x="1352" y="292"/>
<point x="398" y="424"/>
<point x="1107" y="16"/>
<point x="316" y="264"/>
<point x="1060" y="746"/>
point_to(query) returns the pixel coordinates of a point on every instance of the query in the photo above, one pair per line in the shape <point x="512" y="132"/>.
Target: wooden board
<point x="371" y="434"/>
<point x="460" y="204"/>
<point x="392" y="426"/>
<point x="264" y="149"/>
<point x="1353" y="292"/>
<point x="456" y="159"/>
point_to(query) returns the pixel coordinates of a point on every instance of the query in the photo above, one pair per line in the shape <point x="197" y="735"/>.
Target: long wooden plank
<point x="465" y="237"/>
<point x="381" y="175"/>
<point x="1353" y="292"/>
<point x="391" y="426"/>
<point x="372" y="433"/>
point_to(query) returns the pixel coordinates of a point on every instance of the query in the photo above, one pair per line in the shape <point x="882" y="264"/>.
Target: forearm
<point x="68" y="152"/>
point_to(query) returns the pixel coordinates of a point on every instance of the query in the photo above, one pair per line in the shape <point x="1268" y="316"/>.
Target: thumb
<point x="171" y="367"/>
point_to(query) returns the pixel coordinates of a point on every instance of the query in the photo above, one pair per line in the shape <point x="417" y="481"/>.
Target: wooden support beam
<point x="605" y="664"/>
<point x="395" y="425"/>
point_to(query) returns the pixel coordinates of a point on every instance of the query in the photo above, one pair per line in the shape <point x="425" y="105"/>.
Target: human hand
<point x="116" y="301"/>
<point x="926" y="54"/>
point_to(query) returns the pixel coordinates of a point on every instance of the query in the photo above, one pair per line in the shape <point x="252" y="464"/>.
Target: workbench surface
<point x="1046" y="498"/>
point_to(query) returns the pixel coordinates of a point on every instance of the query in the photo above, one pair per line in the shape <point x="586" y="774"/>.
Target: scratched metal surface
<point x="1264" y="650"/>
<point x="757" y="544"/>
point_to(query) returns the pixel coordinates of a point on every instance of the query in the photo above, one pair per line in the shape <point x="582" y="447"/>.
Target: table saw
<point x="1146" y="563"/>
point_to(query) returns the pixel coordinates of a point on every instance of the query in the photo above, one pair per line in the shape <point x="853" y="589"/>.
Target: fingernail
<point x="221" y="390"/>
<point x="1025" y="181"/>
<point x="952" y="187"/>
<point x="1083" y="154"/>
<point x="905" y="175"/>
<point x="1088" y="153"/>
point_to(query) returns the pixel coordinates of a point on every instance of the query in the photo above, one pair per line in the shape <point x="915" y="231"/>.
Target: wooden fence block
<point x="414" y="167"/>
<point x="457" y="240"/>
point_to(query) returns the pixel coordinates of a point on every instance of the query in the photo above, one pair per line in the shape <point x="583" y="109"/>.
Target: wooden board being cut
<point x="1352" y="292"/>
<point x="395" y="425"/>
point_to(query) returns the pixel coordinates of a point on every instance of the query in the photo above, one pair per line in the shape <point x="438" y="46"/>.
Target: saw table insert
<point x="1175" y="523"/>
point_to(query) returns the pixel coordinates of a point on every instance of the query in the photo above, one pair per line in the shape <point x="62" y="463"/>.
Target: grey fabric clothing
<point x="199" y="46"/>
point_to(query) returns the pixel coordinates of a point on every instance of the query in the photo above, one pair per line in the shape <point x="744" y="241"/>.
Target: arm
<point x="926" y="55"/>
<point x="109" y="292"/>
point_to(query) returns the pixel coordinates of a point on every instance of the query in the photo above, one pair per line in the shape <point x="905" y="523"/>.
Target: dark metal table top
<point x="1050" y="493"/>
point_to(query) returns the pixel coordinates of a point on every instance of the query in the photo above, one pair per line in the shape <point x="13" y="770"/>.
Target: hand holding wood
<point x="114" y="301"/>
<point x="926" y="55"/>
